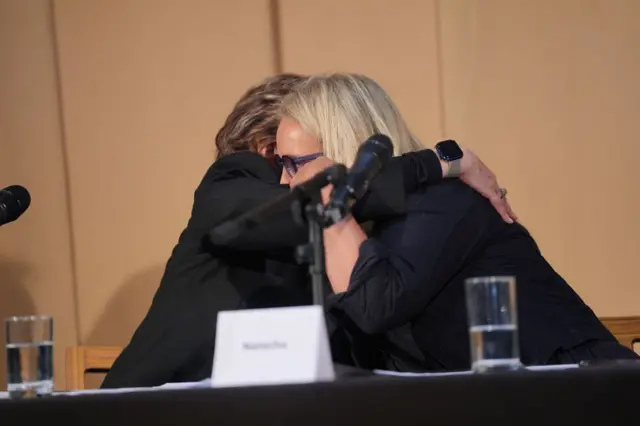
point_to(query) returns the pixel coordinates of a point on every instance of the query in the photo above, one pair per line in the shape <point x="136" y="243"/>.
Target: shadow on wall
<point x="126" y="309"/>
<point x="14" y="300"/>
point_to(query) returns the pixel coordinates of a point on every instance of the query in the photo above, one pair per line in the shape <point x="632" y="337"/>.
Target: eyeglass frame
<point x="291" y="163"/>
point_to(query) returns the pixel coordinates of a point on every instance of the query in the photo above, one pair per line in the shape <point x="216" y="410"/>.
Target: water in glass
<point x="493" y="325"/>
<point x="29" y="369"/>
<point x="494" y="347"/>
<point x="29" y="347"/>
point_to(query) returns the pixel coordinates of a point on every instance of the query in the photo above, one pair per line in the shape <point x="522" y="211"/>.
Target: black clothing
<point x="408" y="284"/>
<point x="175" y="341"/>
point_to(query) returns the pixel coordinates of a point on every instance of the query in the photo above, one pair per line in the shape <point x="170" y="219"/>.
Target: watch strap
<point x="454" y="168"/>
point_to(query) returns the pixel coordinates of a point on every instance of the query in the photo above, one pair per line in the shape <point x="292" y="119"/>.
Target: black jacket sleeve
<point x="241" y="182"/>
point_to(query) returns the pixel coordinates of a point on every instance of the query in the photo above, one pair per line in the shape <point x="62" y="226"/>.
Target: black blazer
<point x="175" y="340"/>
<point x="408" y="284"/>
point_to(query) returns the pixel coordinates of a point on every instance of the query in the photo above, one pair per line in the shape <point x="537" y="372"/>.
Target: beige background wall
<point x="108" y="110"/>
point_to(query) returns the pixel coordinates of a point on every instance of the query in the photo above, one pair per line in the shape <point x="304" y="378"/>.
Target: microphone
<point x="372" y="155"/>
<point x="14" y="200"/>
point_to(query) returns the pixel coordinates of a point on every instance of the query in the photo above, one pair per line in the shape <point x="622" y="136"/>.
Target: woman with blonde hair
<point x="174" y="342"/>
<point x="405" y="281"/>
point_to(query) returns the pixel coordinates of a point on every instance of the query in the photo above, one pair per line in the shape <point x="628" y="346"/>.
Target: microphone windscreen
<point x="380" y="145"/>
<point x="15" y="200"/>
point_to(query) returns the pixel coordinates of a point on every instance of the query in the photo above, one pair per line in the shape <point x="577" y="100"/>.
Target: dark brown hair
<point x="253" y="123"/>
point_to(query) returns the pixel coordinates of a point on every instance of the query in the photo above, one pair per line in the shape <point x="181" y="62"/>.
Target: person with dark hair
<point x="175" y="341"/>
<point x="252" y="124"/>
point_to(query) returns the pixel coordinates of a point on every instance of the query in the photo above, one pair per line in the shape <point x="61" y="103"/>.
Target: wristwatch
<point x="450" y="152"/>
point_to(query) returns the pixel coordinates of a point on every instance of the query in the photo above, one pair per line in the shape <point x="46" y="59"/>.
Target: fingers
<point x="485" y="182"/>
<point x="502" y="207"/>
<point x="512" y="214"/>
<point x="499" y="201"/>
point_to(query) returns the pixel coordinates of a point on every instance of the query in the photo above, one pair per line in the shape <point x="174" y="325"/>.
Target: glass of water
<point x="29" y="356"/>
<point x="493" y="323"/>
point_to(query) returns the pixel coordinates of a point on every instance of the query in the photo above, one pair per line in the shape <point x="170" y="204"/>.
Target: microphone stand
<point x="309" y="210"/>
<point x="305" y="202"/>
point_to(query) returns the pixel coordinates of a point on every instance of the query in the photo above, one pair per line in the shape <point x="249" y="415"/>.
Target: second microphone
<point x="372" y="155"/>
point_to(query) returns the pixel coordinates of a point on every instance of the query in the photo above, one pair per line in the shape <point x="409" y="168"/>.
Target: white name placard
<point x="272" y="346"/>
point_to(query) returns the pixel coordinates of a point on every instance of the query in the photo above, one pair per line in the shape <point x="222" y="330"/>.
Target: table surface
<point x="605" y="396"/>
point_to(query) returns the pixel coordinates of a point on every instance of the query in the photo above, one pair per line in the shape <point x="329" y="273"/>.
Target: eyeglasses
<point x="292" y="163"/>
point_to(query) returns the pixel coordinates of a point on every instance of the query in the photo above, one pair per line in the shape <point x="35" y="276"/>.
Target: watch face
<point x="449" y="150"/>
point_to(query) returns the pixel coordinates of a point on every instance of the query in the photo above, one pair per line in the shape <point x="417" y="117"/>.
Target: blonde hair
<point x="343" y="110"/>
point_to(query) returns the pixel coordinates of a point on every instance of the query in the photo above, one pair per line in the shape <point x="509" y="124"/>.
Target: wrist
<point x="451" y="169"/>
<point x="465" y="162"/>
<point x="451" y="157"/>
<point x="338" y="230"/>
<point x="445" y="169"/>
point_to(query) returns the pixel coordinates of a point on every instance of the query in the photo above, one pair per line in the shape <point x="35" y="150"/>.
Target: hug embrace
<point x="397" y="299"/>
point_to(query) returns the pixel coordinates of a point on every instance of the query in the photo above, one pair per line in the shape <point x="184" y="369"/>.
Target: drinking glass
<point x="29" y="356"/>
<point x="493" y="324"/>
